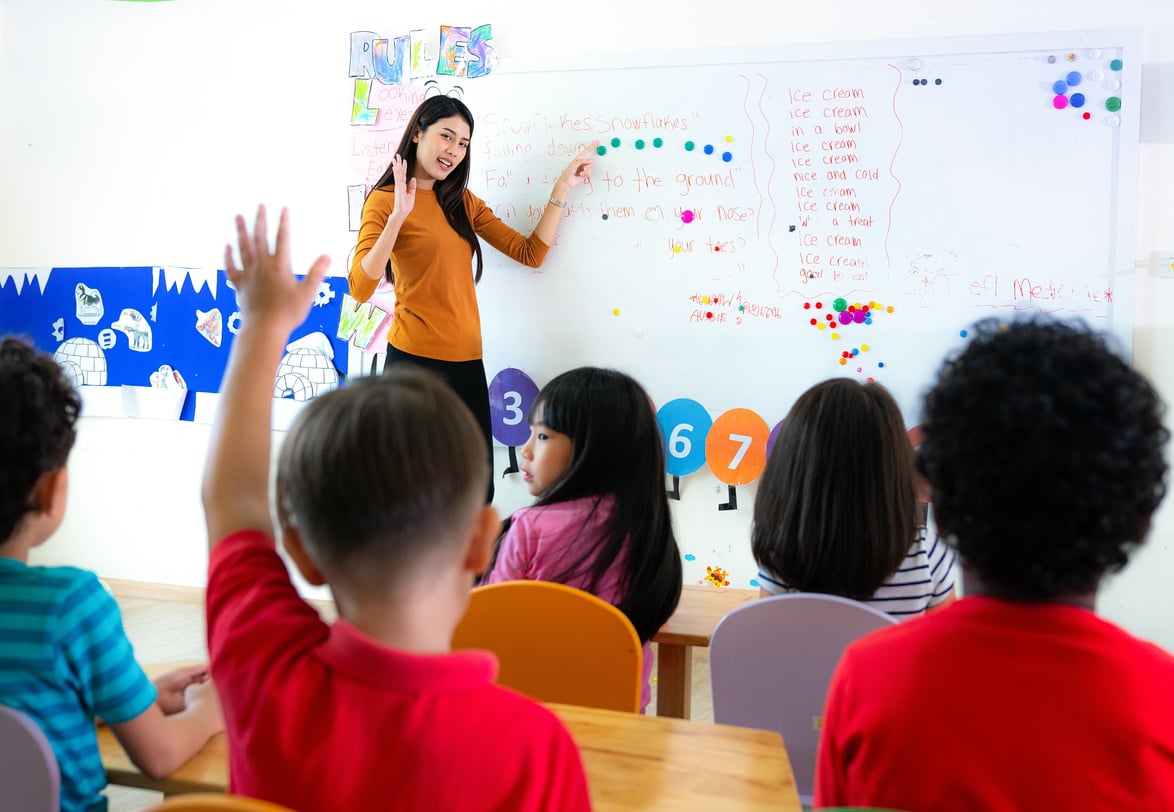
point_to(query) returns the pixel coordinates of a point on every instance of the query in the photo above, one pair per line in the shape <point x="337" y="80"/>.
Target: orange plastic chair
<point x="215" y="802"/>
<point x="556" y="643"/>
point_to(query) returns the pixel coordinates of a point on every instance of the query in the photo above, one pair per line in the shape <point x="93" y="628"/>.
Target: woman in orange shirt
<point x="420" y="230"/>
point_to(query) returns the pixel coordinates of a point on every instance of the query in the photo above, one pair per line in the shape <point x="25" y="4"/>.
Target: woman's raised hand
<point x="405" y="190"/>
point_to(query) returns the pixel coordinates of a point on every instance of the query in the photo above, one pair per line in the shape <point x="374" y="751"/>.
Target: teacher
<point x="420" y="231"/>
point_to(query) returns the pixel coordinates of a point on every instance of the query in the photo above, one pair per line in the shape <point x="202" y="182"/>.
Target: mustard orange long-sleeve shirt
<point x="436" y="313"/>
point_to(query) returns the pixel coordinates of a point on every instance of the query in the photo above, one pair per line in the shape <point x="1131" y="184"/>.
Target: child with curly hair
<point x="1044" y="452"/>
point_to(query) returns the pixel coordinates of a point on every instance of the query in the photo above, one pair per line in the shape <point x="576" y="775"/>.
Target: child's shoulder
<point x="581" y="507"/>
<point x="532" y="719"/>
<point x="49" y="579"/>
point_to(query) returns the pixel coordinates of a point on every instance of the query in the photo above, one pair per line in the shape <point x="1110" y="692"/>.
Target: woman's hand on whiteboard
<point x="405" y="190"/>
<point x="578" y="170"/>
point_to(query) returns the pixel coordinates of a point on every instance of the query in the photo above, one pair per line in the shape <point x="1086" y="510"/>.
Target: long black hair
<point x="836" y="506"/>
<point x="616" y="451"/>
<point x="450" y="192"/>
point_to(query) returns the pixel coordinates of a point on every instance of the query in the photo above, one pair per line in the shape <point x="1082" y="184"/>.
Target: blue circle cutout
<point x="684" y="425"/>
<point x="1076" y="100"/>
<point x="511" y="396"/>
<point x="1059" y="87"/>
<point x="727" y="157"/>
<point x="709" y="149"/>
<point x="1074" y="78"/>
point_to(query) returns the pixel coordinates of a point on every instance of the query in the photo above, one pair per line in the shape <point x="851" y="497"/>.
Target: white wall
<point x="127" y="525"/>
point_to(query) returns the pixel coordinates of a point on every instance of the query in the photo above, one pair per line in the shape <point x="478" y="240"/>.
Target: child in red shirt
<point x="380" y="494"/>
<point x="1044" y="453"/>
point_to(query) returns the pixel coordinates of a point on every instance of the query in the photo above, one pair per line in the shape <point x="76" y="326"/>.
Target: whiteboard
<point x="740" y="194"/>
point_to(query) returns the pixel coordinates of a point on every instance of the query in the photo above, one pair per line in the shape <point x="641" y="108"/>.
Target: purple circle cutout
<point x="773" y="438"/>
<point x="511" y="396"/>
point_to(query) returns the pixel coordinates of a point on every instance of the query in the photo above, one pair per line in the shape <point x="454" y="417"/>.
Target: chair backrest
<point x="556" y="643"/>
<point x="770" y="663"/>
<point x="215" y="802"/>
<point x="29" y="776"/>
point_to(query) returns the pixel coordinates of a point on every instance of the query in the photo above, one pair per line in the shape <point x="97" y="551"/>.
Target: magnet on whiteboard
<point x="639" y="331"/>
<point x="1113" y="121"/>
<point x="1096" y="75"/>
<point x="914" y="64"/>
<point x="1113" y="84"/>
<point x="1094" y="53"/>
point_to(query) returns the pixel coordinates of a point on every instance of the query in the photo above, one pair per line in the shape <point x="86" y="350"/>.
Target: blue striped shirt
<point x="924" y="579"/>
<point x="65" y="659"/>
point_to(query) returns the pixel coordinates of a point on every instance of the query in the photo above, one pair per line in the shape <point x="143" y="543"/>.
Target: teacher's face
<point x="439" y="149"/>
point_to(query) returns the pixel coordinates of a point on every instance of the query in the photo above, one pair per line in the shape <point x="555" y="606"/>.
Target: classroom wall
<point x="125" y="524"/>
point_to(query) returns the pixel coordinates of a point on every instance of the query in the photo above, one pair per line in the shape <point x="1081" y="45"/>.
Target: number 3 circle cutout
<point x="736" y="446"/>
<point x="511" y="396"/>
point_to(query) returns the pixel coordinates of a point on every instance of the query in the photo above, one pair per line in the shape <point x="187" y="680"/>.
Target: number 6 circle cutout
<point x="511" y="396"/>
<point x="684" y="425"/>
<point x="736" y="446"/>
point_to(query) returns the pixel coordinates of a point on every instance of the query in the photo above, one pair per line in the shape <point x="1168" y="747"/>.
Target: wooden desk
<point x="632" y="762"/>
<point x="697" y="614"/>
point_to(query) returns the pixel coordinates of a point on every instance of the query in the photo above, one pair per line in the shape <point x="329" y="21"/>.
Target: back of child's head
<point x="38" y="413"/>
<point x="836" y="508"/>
<point x="616" y="451"/>
<point x="1044" y="450"/>
<point x="383" y="478"/>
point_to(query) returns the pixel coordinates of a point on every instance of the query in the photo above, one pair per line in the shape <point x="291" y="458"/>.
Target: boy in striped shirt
<point x="64" y="656"/>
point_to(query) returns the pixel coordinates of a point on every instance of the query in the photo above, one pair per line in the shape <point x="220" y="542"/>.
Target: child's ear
<point x="51" y="492"/>
<point x="486" y="528"/>
<point x="292" y="541"/>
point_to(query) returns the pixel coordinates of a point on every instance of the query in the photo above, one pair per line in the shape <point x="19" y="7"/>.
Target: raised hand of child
<point x="172" y="687"/>
<point x="265" y="285"/>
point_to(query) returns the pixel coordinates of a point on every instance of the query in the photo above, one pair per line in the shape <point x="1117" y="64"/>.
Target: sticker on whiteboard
<point x="134" y="326"/>
<point x="83" y="361"/>
<point x="210" y="324"/>
<point x="736" y="446"/>
<point x="307" y="369"/>
<point x="89" y="304"/>
<point x="511" y="396"/>
<point x="165" y="377"/>
<point x="684" y="426"/>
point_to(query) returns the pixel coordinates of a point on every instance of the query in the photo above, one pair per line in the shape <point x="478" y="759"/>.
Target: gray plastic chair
<point x="770" y="663"/>
<point x="29" y="777"/>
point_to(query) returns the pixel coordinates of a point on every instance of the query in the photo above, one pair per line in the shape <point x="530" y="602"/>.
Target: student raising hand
<point x="266" y="287"/>
<point x="273" y="303"/>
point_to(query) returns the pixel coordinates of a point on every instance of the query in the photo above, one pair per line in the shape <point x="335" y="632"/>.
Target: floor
<point x="168" y="627"/>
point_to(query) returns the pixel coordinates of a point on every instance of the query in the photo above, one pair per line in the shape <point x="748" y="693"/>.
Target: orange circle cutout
<point x="735" y="447"/>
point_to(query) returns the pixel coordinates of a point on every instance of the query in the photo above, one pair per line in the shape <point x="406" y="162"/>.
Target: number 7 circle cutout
<point x="736" y="446"/>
